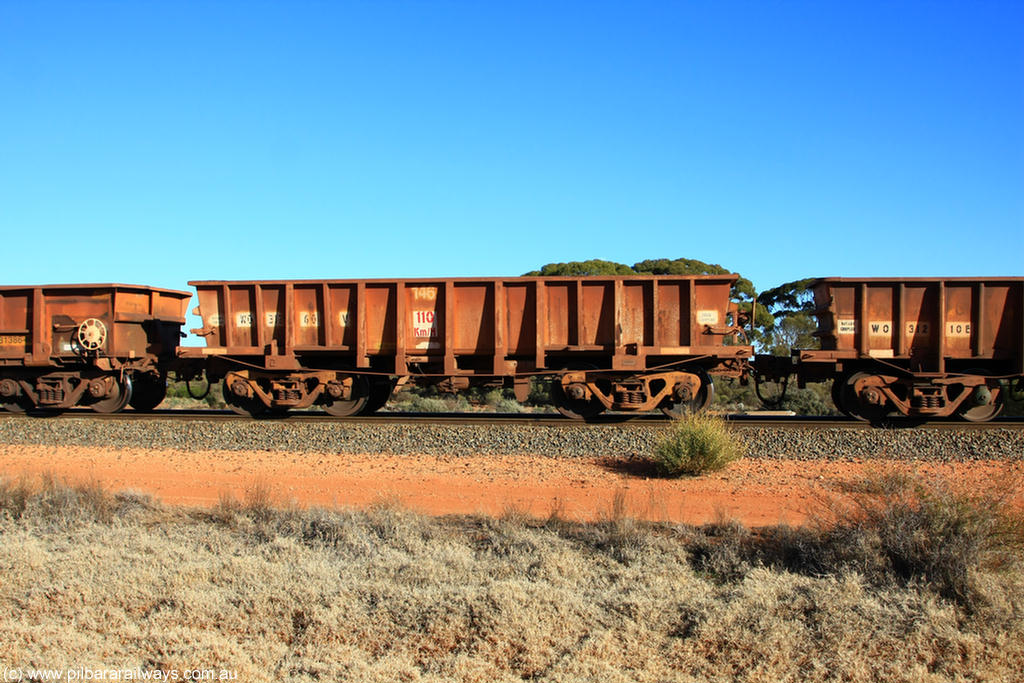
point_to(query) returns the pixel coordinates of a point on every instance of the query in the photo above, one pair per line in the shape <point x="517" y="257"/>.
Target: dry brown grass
<point x="90" y="578"/>
<point x="930" y="529"/>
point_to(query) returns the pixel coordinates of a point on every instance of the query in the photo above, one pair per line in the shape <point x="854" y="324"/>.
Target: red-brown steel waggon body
<point x="919" y="347"/>
<point x="621" y="343"/>
<point x="102" y="345"/>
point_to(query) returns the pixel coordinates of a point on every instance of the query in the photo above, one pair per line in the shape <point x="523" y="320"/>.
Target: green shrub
<point x="502" y="401"/>
<point x="1013" y="394"/>
<point x="733" y="397"/>
<point x="415" y="402"/>
<point x="179" y="398"/>
<point x="695" y="445"/>
<point x="540" y="392"/>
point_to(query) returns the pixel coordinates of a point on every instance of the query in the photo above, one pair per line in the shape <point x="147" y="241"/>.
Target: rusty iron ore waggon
<point x="104" y="346"/>
<point x="917" y="347"/>
<point x="631" y="343"/>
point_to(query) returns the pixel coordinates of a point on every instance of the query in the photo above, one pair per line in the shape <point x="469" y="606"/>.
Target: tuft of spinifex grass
<point x="694" y="445"/>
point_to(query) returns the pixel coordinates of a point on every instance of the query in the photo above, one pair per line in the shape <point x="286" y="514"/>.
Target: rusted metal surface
<point x="61" y="345"/>
<point x="618" y="331"/>
<point x="918" y="346"/>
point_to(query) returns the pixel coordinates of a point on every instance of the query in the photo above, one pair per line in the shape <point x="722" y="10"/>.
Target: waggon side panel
<point x="507" y="324"/>
<point x="16" y="323"/>
<point x="922" y="320"/>
<point x="37" y="323"/>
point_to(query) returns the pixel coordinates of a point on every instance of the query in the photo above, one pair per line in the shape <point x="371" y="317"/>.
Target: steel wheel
<point x="248" y="406"/>
<point x="11" y="398"/>
<point x="854" y="407"/>
<point x="838" y="388"/>
<point x="148" y="391"/>
<point x="351" y="406"/>
<point x="119" y="396"/>
<point x="17" y="404"/>
<point x="705" y="395"/>
<point x="380" y="394"/>
<point x="575" y="409"/>
<point x="983" y="413"/>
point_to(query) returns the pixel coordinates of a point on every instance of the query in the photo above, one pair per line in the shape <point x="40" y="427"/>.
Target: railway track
<point x="642" y="421"/>
<point x="762" y="436"/>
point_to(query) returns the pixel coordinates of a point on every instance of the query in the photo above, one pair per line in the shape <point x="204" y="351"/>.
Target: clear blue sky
<point x="157" y="142"/>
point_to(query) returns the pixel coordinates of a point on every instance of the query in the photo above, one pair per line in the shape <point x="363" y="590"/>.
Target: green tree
<point x="578" y="268"/>
<point x="793" y="331"/>
<point x="790" y="297"/>
<point x="792" y="308"/>
<point x="742" y="292"/>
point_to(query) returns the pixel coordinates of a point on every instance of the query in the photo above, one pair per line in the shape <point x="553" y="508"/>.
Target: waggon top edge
<point x="96" y="285"/>
<point x="725" y="277"/>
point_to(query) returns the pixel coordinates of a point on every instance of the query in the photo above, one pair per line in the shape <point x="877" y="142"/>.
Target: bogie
<point x="56" y="391"/>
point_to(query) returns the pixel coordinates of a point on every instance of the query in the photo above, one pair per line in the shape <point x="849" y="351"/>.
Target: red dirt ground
<point x="754" y="492"/>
